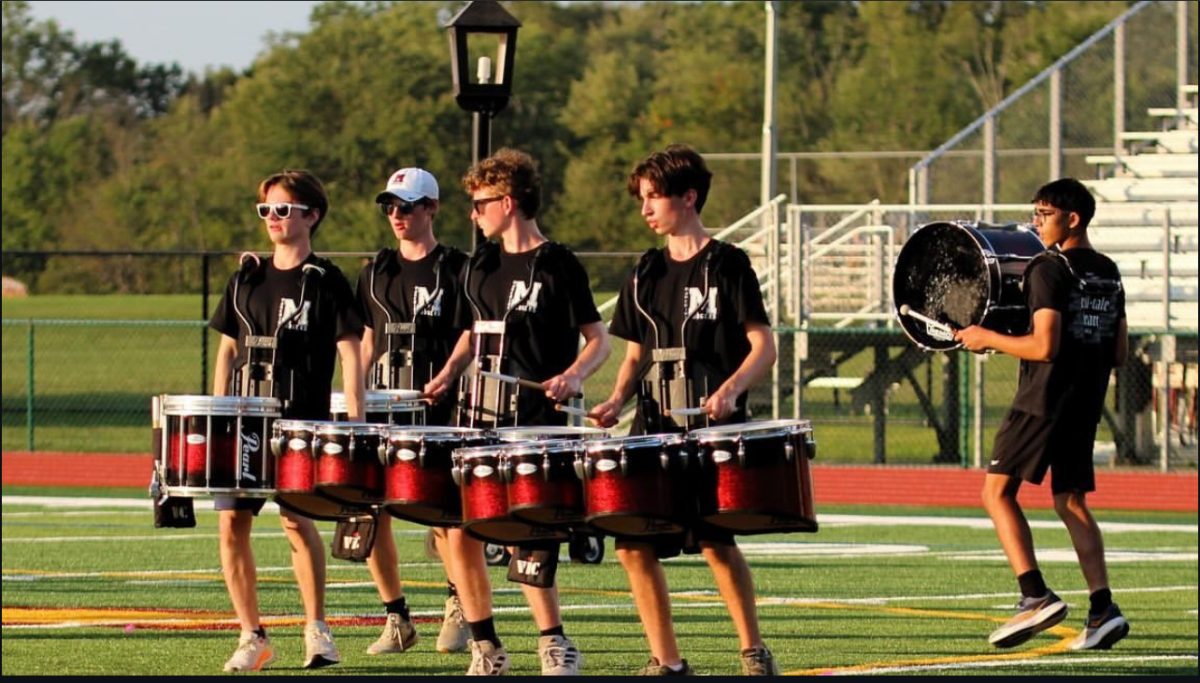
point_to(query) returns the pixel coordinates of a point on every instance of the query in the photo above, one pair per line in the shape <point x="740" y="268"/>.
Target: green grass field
<point x="92" y="380"/>
<point x="97" y="591"/>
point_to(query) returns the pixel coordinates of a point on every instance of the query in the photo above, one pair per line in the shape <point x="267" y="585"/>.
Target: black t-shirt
<point x="257" y="298"/>
<point x="717" y="288"/>
<point x="1084" y="286"/>
<point x="546" y="297"/>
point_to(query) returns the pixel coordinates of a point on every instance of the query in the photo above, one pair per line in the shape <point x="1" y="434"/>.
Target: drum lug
<point x="277" y="445"/>
<point x="810" y="445"/>
<point x="789" y="451"/>
<point x="741" y="454"/>
<point x="580" y="467"/>
<point x="545" y="467"/>
<point x="456" y="474"/>
<point x="624" y="464"/>
<point x="421" y="454"/>
<point x="505" y="470"/>
<point x="664" y="458"/>
<point x="384" y="448"/>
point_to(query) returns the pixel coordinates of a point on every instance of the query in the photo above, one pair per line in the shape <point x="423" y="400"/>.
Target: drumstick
<point x="570" y="410"/>
<point x="929" y="322"/>
<point x="684" y="412"/>
<point x="519" y="381"/>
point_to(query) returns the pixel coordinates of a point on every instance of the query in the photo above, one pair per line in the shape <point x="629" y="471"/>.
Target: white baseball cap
<point x="410" y="184"/>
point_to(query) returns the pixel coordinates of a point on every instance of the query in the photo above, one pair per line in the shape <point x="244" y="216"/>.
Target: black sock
<point x="451" y="589"/>
<point x="397" y="606"/>
<point x="484" y="630"/>
<point x="1032" y="584"/>
<point x="261" y="632"/>
<point x="556" y="631"/>
<point x="1101" y="600"/>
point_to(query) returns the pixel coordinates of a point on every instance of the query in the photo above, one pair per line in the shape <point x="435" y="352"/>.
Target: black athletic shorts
<point x="1028" y="445"/>
<point x="254" y="505"/>
<point x="688" y="542"/>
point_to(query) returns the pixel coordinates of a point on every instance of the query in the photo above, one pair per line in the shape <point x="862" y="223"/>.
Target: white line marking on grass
<point x="784" y="548"/>
<point x="61" y="502"/>
<point x="883" y="600"/>
<point x="1058" y="661"/>
<point x="1111" y="556"/>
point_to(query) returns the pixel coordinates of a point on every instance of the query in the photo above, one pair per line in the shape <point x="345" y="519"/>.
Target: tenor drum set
<point x="505" y="485"/>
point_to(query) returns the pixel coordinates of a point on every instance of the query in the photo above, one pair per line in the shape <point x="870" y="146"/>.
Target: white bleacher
<point x="1147" y="194"/>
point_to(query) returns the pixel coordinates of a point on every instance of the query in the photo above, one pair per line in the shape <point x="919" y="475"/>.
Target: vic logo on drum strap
<point x="694" y="299"/>
<point x="287" y="307"/>
<point x="522" y="297"/>
<point x="426" y="303"/>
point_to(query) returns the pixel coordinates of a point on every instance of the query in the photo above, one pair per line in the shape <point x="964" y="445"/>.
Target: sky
<point x="194" y="34"/>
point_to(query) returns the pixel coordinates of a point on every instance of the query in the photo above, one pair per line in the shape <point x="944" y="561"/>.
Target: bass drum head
<point x="941" y="273"/>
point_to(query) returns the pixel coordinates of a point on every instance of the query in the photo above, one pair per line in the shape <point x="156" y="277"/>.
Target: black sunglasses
<point x="405" y="208"/>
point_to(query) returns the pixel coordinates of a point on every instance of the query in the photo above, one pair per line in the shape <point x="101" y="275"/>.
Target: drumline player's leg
<point x="736" y="585"/>
<point x="308" y="563"/>
<point x="467" y="568"/>
<point x="383" y="562"/>
<point x="237" y="565"/>
<point x="651" y="596"/>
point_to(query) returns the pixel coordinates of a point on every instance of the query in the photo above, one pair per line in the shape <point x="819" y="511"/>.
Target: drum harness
<point x="397" y="367"/>
<point x="258" y="377"/>
<point x="485" y="390"/>
<point x="668" y="385"/>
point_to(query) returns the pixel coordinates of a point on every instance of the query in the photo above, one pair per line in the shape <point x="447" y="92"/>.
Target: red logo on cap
<point x="398" y="179"/>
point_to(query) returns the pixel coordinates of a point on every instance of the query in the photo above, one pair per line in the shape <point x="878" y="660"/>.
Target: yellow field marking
<point x="1065" y="633"/>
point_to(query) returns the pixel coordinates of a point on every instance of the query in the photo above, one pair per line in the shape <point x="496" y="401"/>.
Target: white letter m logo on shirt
<point x="425" y="302"/>
<point x="694" y="299"/>
<point x="523" y="298"/>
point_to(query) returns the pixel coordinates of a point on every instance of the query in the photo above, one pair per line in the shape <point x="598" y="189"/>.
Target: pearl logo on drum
<point x="250" y="446"/>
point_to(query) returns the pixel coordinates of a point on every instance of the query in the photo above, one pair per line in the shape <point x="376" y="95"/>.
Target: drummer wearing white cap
<point x="409" y="295"/>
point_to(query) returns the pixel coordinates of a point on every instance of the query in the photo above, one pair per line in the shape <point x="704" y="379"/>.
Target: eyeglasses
<point x="479" y="204"/>
<point x="405" y="208"/>
<point x="280" y="209"/>
<point x="1043" y="214"/>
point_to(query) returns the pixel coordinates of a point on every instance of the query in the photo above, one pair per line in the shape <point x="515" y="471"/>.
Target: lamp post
<point x="482" y="82"/>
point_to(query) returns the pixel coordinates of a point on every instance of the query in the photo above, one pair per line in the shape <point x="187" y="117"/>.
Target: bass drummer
<point x="410" y="296"/>
<point x="283" y="320"/>
<point x="697" y="334"/>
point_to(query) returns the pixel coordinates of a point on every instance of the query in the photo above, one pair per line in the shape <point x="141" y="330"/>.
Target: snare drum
<point x="392" y="407"/>
<point x="637" y="485"/>
<point x="300" y="447"/>
<point x="418" y="486"/>
<point x="483" y="474"/>
<point x="216" y="445"/>
<point x="755" y="476"/>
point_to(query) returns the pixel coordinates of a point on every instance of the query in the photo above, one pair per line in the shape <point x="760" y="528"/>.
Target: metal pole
<point x="1181" y="53"/>
<point x="1118" y="85"/>
<point x="1166" y="268"/>
<point x="29" y="388"/>
<point x="1056" y="124"/>
<point x="203" y="316"/>
<point x="481" y="148"/>
<point x="977" y="427"/>
<point x="989" y="166"/>
<point x="770" y="215"/>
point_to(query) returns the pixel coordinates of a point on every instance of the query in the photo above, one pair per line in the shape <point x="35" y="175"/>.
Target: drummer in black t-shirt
<point x="1078" y="334"/>
<point x="410" y="296"/>
<point x="302" y="306"/>
<point x="530" y="302"/>
<point x="701" y="296"/>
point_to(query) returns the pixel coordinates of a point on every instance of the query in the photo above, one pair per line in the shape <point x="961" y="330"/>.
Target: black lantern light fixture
<point x="483" y="49"/>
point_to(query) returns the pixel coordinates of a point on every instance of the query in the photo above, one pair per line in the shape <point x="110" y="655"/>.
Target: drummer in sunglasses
<point x="284" y="320"/>
<point x="1078" y="334"/>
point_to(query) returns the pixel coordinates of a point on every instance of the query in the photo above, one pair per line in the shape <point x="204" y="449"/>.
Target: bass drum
<point x="962" y="273"/>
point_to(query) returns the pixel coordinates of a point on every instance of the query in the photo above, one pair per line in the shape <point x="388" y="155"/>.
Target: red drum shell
<point x="757" y="478"/>
<point x="485" y="512"/>
<point x="216" y="445"/>
<point x="643" y="498"/>
<point x="297" y="489"/>
<point x="543" y="486"/>
<point x="418" y="486"/>
<point x="348" y="466"/>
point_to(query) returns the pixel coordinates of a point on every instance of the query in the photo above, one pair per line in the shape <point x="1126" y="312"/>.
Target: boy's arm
<point x="1040" y="345"/>
<point x="595" y="351"/>
<point x="762" y="354"/>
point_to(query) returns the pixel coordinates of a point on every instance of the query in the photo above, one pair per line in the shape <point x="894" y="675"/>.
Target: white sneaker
<point x="398" y="635"/>
<point x="1102" y="630"/>
<point x="1034" y="615"/>
<point x="454" y="634"/>
<point x="318" y="646"/>
<point x="487" y="659"/>
<point x="252" y="653"/>
<point x="559" y="656"/>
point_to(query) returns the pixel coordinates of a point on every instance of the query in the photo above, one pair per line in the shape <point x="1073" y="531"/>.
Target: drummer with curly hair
<point x="698" y="338"/>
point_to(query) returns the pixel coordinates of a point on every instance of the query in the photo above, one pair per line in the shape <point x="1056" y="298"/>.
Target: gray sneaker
<point x="319" y="650"/>
<point x="559" y="656"/>
<point x="454" y="634"/>
<point x="1034" y="615"/>
<point x="1102" y="631"/>
<point x="487" y="659"/>
<point x="654" y="668"/>
<point x="758" y="661"/>
<point x="252" y="653"/>
<point x="398" y="635"/>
